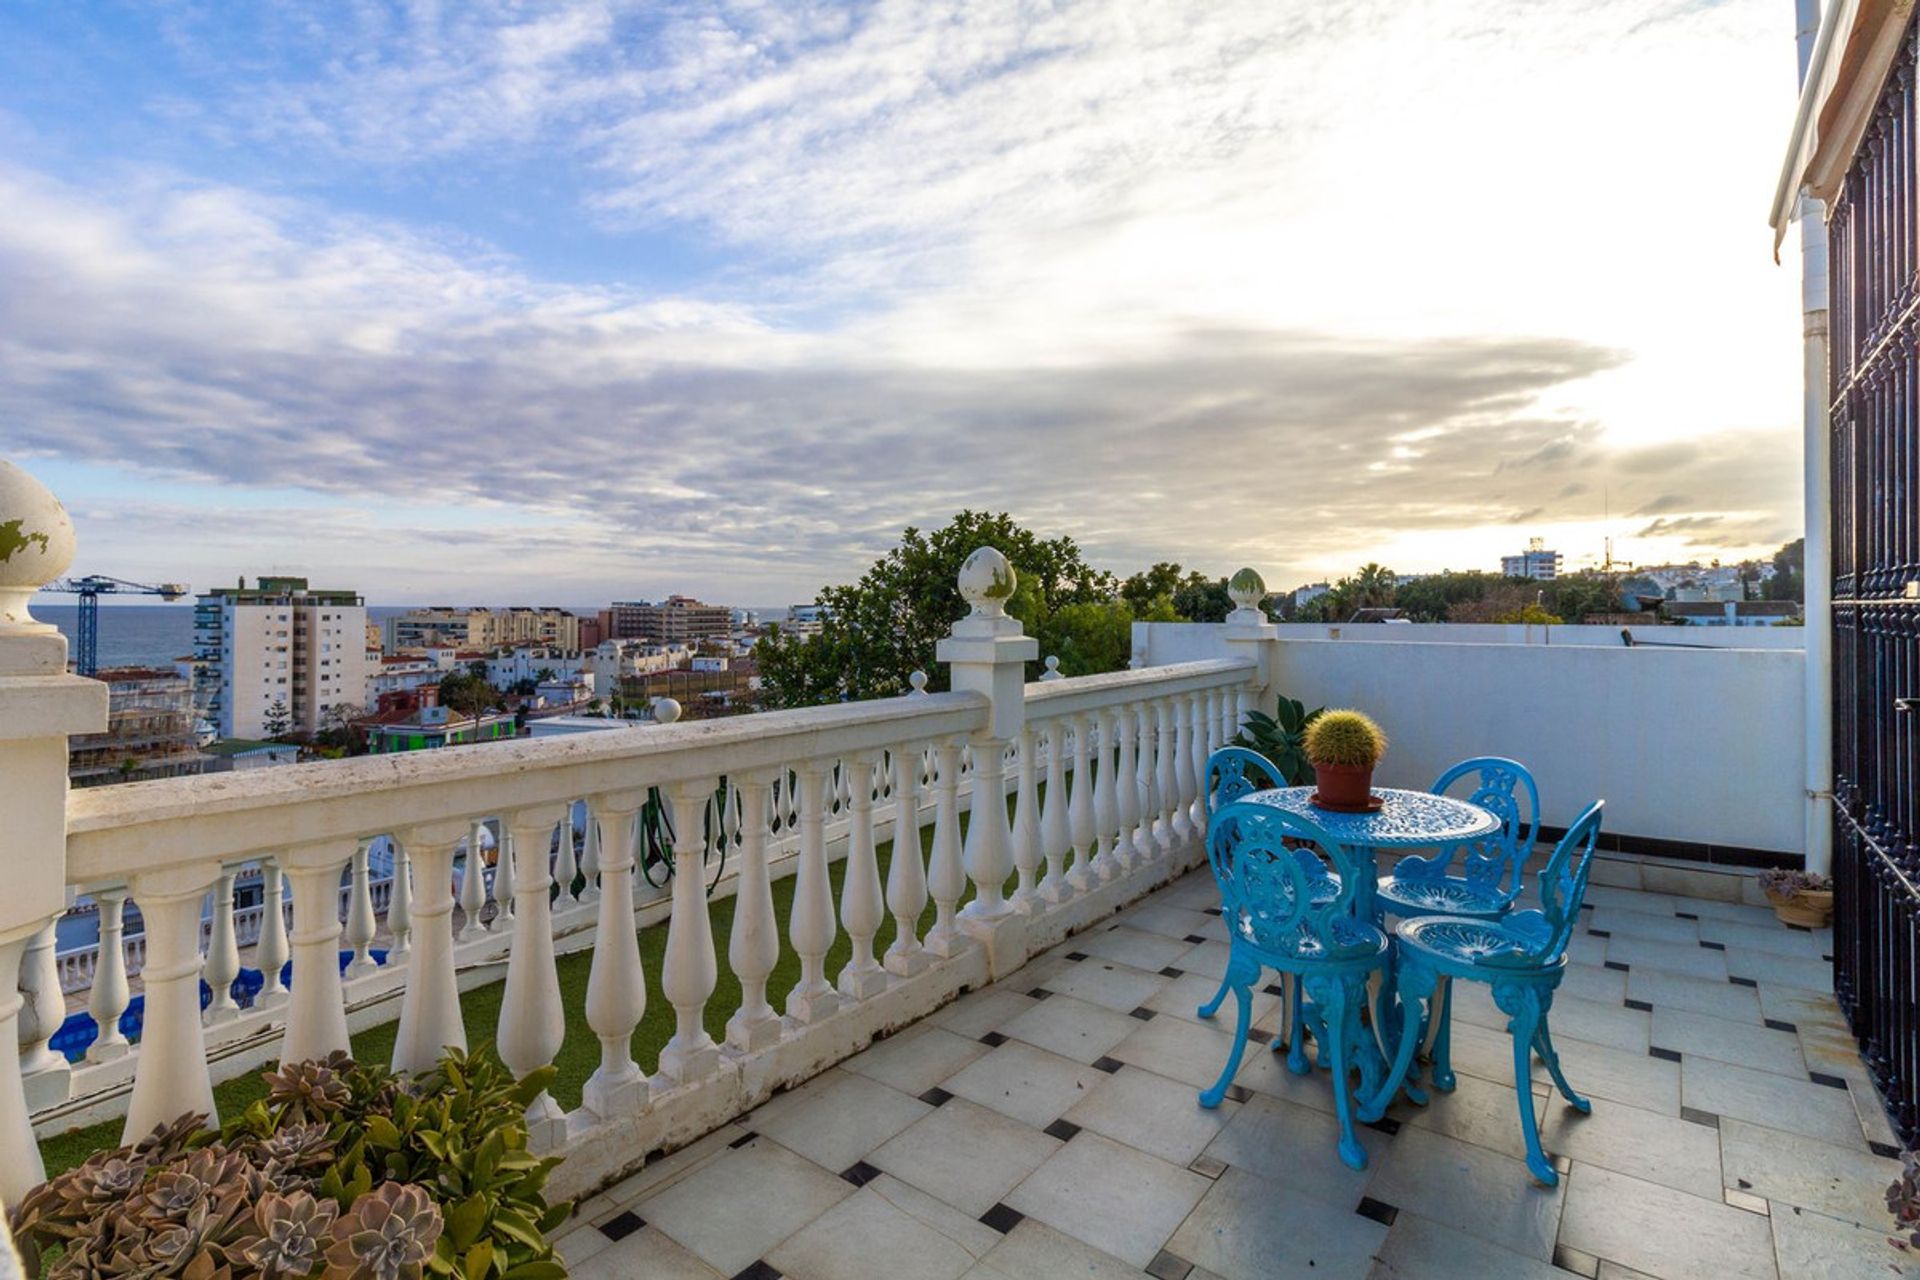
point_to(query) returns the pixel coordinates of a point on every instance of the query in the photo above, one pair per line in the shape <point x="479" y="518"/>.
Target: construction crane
<point x="90" y="589"/>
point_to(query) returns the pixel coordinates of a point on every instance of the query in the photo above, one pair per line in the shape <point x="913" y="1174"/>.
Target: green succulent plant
<point x="1281" y="738"/>
<point x="1345" y="738"/>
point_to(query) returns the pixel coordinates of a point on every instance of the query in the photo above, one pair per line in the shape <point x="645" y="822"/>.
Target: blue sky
<point x="579" y="300"/>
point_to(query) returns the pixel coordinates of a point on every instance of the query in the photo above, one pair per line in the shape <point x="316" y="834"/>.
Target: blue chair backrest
<point x="1266" y="887"/>
<point x="1234" y="772"/>
<point x="1563" y="886"/>
<point x="1504" y="788"/>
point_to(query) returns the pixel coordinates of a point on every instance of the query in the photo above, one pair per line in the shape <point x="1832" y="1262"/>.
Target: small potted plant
<point x="1343" y="747"/>
<point x="1801" y="898"/>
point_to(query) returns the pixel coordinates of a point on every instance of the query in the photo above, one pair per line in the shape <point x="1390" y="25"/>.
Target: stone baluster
<point x="430" y="1002"/>
<point x="861" y="910"/>
<point x="1197" y="762"/>
<point x="1126" y="793"/>
<point x="1106" y="806"/>
<point x="1167" y="776"/>
<point x="508" y="866"/>
<point x="617" y="982"/>
<point x="690" y="971"/>
<point x="754" y="948"/>
<point x="317" y="1011"/>
<point x="1080" y="809"/>
<point x="1183" y="779"/>
<point x="1026" y="823"/>
<point x="590" y="861"/>
<point x="272" y="951"/>
<point x="810" y="927"/>
<point x="46" y="1074"/>
<point x="361" y="922"/>
<point x="1146" y="784"/>
<point x="946" y="879"/>
<point x="473" y="884"/>
<point x="108" y="1000"/>
<point x="400" y="903"/>
<point x="532" y="1021"/>
<point x="565" y="867"/>
<point x="172" y="1078"/>
<point x="1229" y="717"/>
<point x="907" y="872"/>
<point x="1056" y="837"/>
<point x="223" y="954"/>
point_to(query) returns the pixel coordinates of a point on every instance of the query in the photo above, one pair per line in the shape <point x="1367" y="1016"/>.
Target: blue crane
<point x="90" y="589"/>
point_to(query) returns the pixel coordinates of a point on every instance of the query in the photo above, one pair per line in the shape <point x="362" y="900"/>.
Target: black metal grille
<point x="1874" y="250"/>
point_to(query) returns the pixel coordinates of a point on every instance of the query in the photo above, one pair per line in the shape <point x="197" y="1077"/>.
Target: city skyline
<point x="465" y="305"/>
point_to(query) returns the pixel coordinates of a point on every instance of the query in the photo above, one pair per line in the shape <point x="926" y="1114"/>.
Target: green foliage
<point x="1531" y="614"/>
<point x="1789" y="580"/>
<point x="277" y="719"/>
<point x="342" y="1168"/>
<point x="469" y="694"/>
<point x="1345" y="738"/>
<point x="1281" y="738"/>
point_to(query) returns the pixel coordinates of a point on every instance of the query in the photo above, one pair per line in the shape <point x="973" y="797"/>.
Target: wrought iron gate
<point x="1874" y="251"/>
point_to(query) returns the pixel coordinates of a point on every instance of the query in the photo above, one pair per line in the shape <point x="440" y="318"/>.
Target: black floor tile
<point x="936" y="1097"/>
<point x="1778" y="1025"/>
<point x="1108" y="1065"/>
<point x="1168" y="1266"/>
<point x="1821" y="1077"/>
<point x="860" y="1173"/>
<point x="761" y="1270"/>
<point x="1062" y="1129"/>
<point x="621" y="1225"/>
<point x="1665" y="1055"/>
<point x="1378" y="1210"/>
<point x="1002" y="1218"/>
<point x="993" y="1038"/>
<point x="1696" y="1116"/>
<point x="1641" y="1005"/>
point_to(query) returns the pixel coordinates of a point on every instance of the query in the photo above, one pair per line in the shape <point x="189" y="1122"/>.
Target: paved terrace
<point x="1047" y="1126"/>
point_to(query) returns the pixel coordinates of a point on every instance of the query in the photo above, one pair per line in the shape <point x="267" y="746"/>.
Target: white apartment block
<point x="275" y="648"/>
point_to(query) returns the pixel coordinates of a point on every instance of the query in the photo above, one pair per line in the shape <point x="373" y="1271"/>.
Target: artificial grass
<point x="580" y="1050"/>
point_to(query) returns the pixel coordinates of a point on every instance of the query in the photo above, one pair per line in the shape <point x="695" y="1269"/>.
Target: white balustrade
<point x="430" y="1019"/>
<point x="473" y="884"/>
<point x="810" y="926"/>
<point x="1080" y="810"/>
<point x="689" y="972"/>
<point x="1126" y="794"/>
<point x="1166" y="776"/>
<point x="860" y="907"/>
<point x="532" y="1020"/>
<point x="108" y="1000"/>
<point x="590" y="862"/>
<point x="565" y="868"/>
<point x="172" y="1078"/>
<point x="43" y="1009"/>
<point x="754" y="948"/>
<point x="272" y="951"/>
<point x="508" y="865"/>
<point x="316" y="1010"/>
<point x="1184" y="789"/>
<point x="1056" y="836"/>
<point x="223" y="955"/>
<point x="1026" y="821"/>
<point x="400" y="905"/>
<point x="946" y="877"/>
<point x="617" y="983"/>
<point x="361" y="924"/>
<point x="906" y="873"/>
<point x="1106" y="807"/>
<point x="1197" y="748"/>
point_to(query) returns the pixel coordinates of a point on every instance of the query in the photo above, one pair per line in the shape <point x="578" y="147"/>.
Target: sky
<point x="502" y="302"/>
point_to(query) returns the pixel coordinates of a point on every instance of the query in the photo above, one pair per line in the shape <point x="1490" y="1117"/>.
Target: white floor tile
<point x="838" y="1117"/>
<point x="1844" y="1182"/>
<point x="865" y="1237"/>
<point x="1471" y="1189"/>
<point x="1110" y="1196"/>
<point x="1248" y="1228"/>
<point x="702" y="1212"/>
<point x="1151" y="1113"/>
<point x="1030" y="1085"/>
<point x="1771" y="1101"/>
<point x="966" y="1155"/>
<point x="916" y="1059"/>
<point x="1654" y="1229"/>
<point x="1071" y="1028"/>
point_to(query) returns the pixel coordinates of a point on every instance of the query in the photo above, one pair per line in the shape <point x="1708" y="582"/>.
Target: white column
<point x="400" y="903"/>
<point x="532" y="1022"/>
<point x="1183" y="780"/>
<point x="223" y="954"/>
<point x="810" y="927"/>
<point x="430" y="1002"/>
<point x="690" y="972"/>
<point x="907" y="872"/>
<point x="110" y="995"/>
<point x="1197" y="762"/>
<point x="1106" y="805"/>
<point x="754" y="948"/>
<point x="946" y="878"/>
<point x="508" y="866"/>
<point x="171" y="1079"/>
<point x="860" y="906"/>
<point x="565" y="866"/>
<point x="271" y="952"/>
<point x="1167" y="776"/>
<point x="617" y="983"/>
<point x="47" y="1075"/>
<point x="317" y="1011"/>
<point x="1026" y="823"/>
<point x="1056" y="837"/>
<point x="1084" y="876"/>
<point x="473" y="884"/>
<point x="1145" y="785"/>
<point x="361" y="923"/>
<point x="590" y="861"/>
<point x="1126" y="790"/>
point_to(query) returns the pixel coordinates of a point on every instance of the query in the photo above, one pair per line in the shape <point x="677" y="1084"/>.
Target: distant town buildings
<point x="1302" y="596"/>
<point x="150" y="730"/>
<point x="274" y="658"/>
<point x="1732" y="613"/>
<point x="804" y="619"/>
<point x="1535" y="562"/>
<point x="675" y="620"/>
<point x="477" y="628"/>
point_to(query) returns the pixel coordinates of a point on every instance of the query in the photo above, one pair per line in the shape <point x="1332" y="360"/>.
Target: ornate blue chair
<point x="1492" y="869"/>
<point x="1522" y="957"/>
<point x="1279" y="916"/>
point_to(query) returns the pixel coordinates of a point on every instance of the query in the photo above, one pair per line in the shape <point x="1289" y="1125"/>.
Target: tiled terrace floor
<point x="1048" y="1127"/>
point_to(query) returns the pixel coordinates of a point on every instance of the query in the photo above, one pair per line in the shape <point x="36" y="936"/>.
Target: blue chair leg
<point x="1522" y="1007"/>
<point x="1442" y="1073"/>
<point x="1212" y="1006"/>
<point x="1342" y="1023"/>
<point x="1297" y="1035"/>
<point x="1414" y="994"/>
<point x="1240" y="979"/>
<point x="1543" y="1045"/>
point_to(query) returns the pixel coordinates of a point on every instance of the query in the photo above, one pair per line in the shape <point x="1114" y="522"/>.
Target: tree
<point x="1143" y="588"/>
<point x="468" y="694"/>
<point x="1429" y="598"/>
<point x="1577" y="595"/>
<point x="278" y="719"/>
<point x="879" y="630"/>
<point x="1203" y="599"/>
<point x="1789" y="580"/>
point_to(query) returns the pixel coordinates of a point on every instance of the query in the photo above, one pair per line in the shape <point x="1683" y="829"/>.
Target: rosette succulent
<point x="293" y="1234"/>
<point x="308" y="1091"/>
<point x="388" y="1235"/>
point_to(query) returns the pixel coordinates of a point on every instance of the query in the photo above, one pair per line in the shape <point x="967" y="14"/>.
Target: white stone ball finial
<point x="36" y="542"/>
<point x="986" y="582"/>
<point x="1247" y="589"/>
<point x="919" y="682"/>
<point x="665" y="711"/>
<point x="1053" y="669"/>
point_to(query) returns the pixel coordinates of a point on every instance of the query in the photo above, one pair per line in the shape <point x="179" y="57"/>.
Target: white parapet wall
<point x="1698" y="746"/>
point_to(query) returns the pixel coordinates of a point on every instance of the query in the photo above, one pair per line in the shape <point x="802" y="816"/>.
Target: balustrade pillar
<point x="532" y="1021"/>
<point x="860" y="906"/>
<point x="1197" y="747"/>
<point x="317" y="1010"/>
<point x="690" y="971"/>
<point x="47" y="1076"/>
<point x="617" y="982"/>
<point x="1248" y="635"/>
<point x="430" y="1020"/>
<point x="946" y="878"/>
<point x="400" y="903"/>
<point x="361" y="922"/>
<point x="1026" y="823"/>
<point x="1183" y="776"/>
<point x="1167" y="775"/>
<point x="1056" y="837"/>
<point x="906" y="873"/>
<point x="1106" y="808"/>
<point x="111" y="993"/>
<point x="473" y="884"/>
<point x="810" y="926"/>
<point x="565" y="867"/>
<point x="171" y="1078"/>
<point x="1080" y="809"/>
<point x="508" y="867"/>
<point x="1145" y="787"/>
<point x="223" y="954"/>
<point x="1126" y="794"/>
<point x="272" y="951"/>
<point x="754" y="948"/>
<point x="590" y="861"/>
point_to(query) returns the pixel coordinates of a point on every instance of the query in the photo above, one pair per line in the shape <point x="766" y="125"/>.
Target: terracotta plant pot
<point x="1809" y="908"/>
<point x="1344" y="785"/>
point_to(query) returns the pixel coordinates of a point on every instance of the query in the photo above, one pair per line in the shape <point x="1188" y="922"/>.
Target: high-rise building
<point x="675" y="620"/>
<point x="442" y="626"/>
<point x="1535" y="562"/>
<point x="278" y="653"/>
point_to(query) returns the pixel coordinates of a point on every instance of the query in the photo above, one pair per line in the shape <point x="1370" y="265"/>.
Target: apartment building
<point x="675" y="620"/>
<point x="443" y="626"/>
<point x="277" y="653"/>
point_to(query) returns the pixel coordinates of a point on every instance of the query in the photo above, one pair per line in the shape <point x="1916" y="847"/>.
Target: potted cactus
<point x="1343" y="747"/>
<point x="1800" y="898"/>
